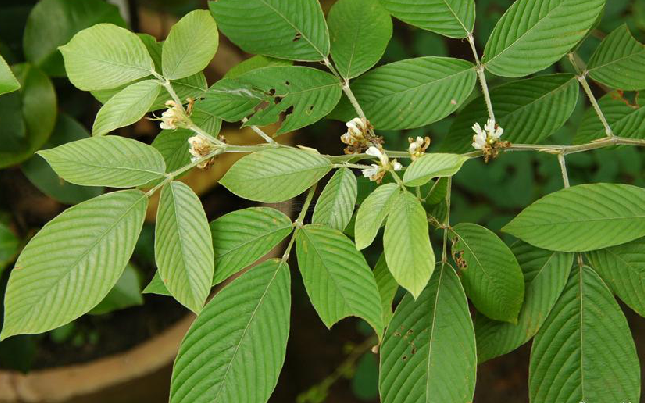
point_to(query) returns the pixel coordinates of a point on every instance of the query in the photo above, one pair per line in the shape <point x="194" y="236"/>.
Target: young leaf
<point x="387" y="288"/>
<point x="275" y="175"/>
<point x="619" y="60"/>
<point x="243" y="236"/>
<point x="8" y="82"/>
<point x="582" y="218"/>
<point x="360" y="31"/>
<point x="533" y="34"/>
<point x="42" y="37"/>
<point x="529" y="110"/>
<point x="623" y="269"/>
<point x="336" y="203"/>
<point x="428" y="354"/>
<point x="411" y="93"/>
<point x="111" y="161"/>
<point x="156" y="286"/>
<point x="239" y="339"/>
<point x="105" y="56"/>
<point x="126" y="107"/>
<point x="297" y="29"/>
<point x="337" y="278"/>
<point x="73" y="262"/>
<point x="406" y="243"/>
<point x="435" y="165"/>
<point x="452" y="18"/>
<point x="305" y="94"/>
<point x="190" y="45"/>
<point x="372" y="213"/>
<point x="625" y="120"/>
<point x="545" y="275"/>
<point x="183" y="246"/>
<point x="125" y="293"/>
<point x="490" y="273"/>
<point x="584" y="352"/>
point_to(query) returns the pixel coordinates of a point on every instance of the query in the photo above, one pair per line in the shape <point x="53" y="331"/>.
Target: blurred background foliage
<point x="322" y="366"/>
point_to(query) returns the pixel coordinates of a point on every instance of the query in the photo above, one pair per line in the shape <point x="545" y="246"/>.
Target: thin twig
<point x="444" y="250"/>
<point x="563" y="168"/>
<point x="260" y="132"/>
<point x="581" y="76"/>
<point x="345" y="86"/>
<point x="482" y="76"/>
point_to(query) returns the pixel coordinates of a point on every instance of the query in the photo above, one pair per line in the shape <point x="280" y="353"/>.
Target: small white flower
<point x="376" y="152"/>
<point x="372" y="172"/>
<point x="170" y="117"/>
<point x="490" y="134"/>
<point x="199" y="147"/>
<point x="396" y="165"/>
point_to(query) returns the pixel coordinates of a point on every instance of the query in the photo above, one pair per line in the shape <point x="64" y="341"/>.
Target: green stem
<point x="481" y="76"/>
<point x="444" y="249"/>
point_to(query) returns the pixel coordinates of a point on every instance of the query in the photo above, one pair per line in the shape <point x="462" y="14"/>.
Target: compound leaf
<point x="73" y="262"/>
<point x="489" y="271"/>
<point x="428" y="354"/>
<point x="243" y="236"/>
<point x="582" y="218"/>
<point x="337" y="278"/>
<point x="183" y="246"/>
<point x="111" y="161"/>
<point x="275" y="175"/>
<point x="239" y="339"/>
<point x="533" y="34"/>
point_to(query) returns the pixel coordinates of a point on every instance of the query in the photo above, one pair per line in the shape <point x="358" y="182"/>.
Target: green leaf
<point x="183" y="246"/>
<point x="428" y="354"/>
<point x="297" y="28"/>
<point x="304" y="94"/>
<point x="528" y="110"/>
<point x="372" y="213"/>
<point x="8" y="82"/>
<point x="435" y="165"/>
<point x="410" y="93"/>
<point x="173" y="146"/>
<point x="126" y="107"/>
<point x="8" y="246"/>
<point x="360" y="31"/>
<point x="105" y="56"/>
<point x="489" y="271"/>
<point x="452" y="18"/>
<point x="584" y="351"/>
<point x="73" y="262"/>
<point x="41" y="175"/>
<point x="534" y="34"/>
<point x="243" y="236"/>
<point x="32" y="110"/>
<point x="624" y="120"/>
<point x="239" y="339"/>
<point x="335" y="206"/>
<point x="623" y="269"/>
<point x="619" y="61"/>
<point x="406" y="243"/>
<point x="52" y="23"/>
<point x="190" y="45"/>
<point x="111" y="161"/>
<point x="582" y="218"/>
<point x="253" y="63"/>
<point x="156" y="286"/>
<point x="337" y="278"/>
<point x="545" y="275"/>
<point x="125" y="293"/>
<point x="387" y="288"/>
<point x="275" y="175"/>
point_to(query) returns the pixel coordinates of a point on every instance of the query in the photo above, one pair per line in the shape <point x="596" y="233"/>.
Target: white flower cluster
<point x="418" y="147"/>
<point x="377" y="171"/>
<point x="171" y="116"/>
<point x="200" y="147"/>
<point x="489" y="135"/>
<point x="356" y="136"/>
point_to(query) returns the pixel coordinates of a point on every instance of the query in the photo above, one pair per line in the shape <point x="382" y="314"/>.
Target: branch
<point x="345" y="86"/>
<point x="563" y="168"/>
